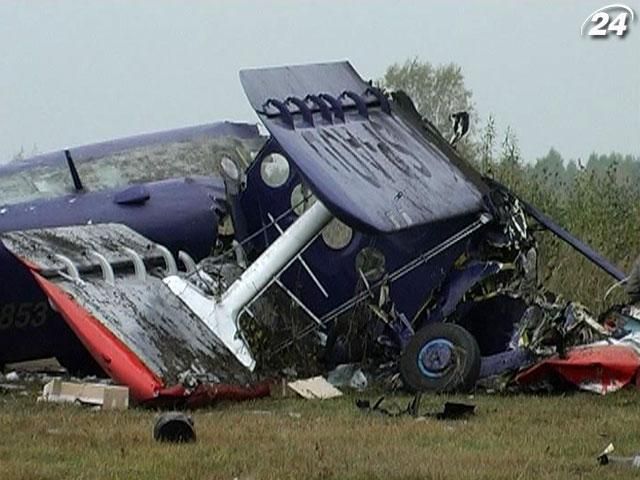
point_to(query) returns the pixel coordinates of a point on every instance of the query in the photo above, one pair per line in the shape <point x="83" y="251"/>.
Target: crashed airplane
<point x="166" y="186"/>
<point x="354" y="204"/>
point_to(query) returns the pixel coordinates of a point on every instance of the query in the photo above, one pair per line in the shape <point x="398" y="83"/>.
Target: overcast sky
<point x="76" y="72"/>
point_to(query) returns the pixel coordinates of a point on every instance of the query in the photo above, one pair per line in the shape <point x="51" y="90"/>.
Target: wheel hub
<point x="435" y="357"/>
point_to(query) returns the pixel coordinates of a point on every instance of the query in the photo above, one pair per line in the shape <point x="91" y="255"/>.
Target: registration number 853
<point x="22" y="315"/>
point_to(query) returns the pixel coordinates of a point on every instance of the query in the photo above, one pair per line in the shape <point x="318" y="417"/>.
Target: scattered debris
<point x="598" y="355"/>
<point x="451" y="410"/>
<point x="11" y="388"/>
<point x="44" y="366"/>
<point x="605" y="458"/>
<point x="392" y="410"/>
<point x="296" y="415"/>
<point x="456" y="411"/>
<point x="208" y="394"/>
<point x="348" y="375"/>
<point x="600" y="369"/>
<point x="316" y="388"/>
<point x="175" y="427"/>
<point x="107" y="397"/>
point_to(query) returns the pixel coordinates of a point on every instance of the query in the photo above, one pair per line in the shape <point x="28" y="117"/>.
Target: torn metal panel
<point x="134" y="328"/>
<point x="155" y="325"/>
<point x="460" y="281"/>
<point x="509" y="360"/>
<point x="360" y="154"/>
<point x="600" y="369"/>
<point x="587" y="251"/>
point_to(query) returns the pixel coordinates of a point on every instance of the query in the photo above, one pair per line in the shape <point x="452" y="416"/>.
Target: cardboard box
<point x="108" y="397"/>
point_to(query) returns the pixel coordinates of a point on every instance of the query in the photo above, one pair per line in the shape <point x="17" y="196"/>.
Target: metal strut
<point x="221" y="316"/>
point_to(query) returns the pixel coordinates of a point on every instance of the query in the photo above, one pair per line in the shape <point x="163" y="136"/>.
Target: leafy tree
<point x="487" y="146"/>
<point x="437" y="91"/>
<point x="550" y="169"/>
<point x="624" y="168"/>
<point x="571" y="171"/>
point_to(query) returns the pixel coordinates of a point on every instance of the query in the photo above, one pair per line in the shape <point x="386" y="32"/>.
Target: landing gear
<point x="441" y="357"/>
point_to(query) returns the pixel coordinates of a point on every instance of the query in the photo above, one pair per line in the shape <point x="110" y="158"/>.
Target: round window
<point x="274" y="170"/>
<point x="230" y="168"/>
<point x="371" y="262"/>
<point x="301" y="199"/>
<point x="337" y="235"/>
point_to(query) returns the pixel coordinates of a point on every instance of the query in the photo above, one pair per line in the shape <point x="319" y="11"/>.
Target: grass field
<point x="511" y="437"/>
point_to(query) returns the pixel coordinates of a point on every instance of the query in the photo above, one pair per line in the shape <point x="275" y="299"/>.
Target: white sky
<point x="76" y="72"/>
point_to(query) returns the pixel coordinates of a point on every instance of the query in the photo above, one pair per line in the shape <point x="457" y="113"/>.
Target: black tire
<point x="461" y="369"/>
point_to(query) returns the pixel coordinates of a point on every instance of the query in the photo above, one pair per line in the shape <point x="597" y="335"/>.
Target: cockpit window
<point x="43" y="181"/>
<point x="51" y="178"/>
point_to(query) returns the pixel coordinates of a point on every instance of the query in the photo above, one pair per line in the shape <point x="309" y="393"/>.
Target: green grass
<point x="510" y="437"/>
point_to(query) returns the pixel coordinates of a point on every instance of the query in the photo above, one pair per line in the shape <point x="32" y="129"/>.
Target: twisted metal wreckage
<point x="357" y="232"/>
